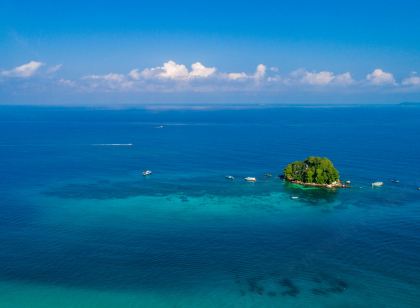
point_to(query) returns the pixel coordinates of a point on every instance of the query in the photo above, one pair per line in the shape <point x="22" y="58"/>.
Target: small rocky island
<point x="313" y="171"/>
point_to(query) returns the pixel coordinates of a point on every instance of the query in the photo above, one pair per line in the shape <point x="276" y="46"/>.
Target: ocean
<point x="81" y="227"/>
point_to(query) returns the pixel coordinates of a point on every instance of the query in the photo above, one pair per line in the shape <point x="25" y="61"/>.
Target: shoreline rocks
<point x="336" y="184"/>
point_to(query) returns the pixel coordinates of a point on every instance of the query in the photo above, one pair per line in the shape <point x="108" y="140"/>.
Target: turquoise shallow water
<point x="80" y="227"/>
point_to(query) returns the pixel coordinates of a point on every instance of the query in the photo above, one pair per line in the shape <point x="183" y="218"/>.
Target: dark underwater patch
<point x="291" y="288"/>
<point x="195" y="187"/>
<point x="254" y="286"/>
<point x="327" y="285"/>
<point x="267" y="286"/>
<point x="183" y="198"/>
<point x="272" y="285"/>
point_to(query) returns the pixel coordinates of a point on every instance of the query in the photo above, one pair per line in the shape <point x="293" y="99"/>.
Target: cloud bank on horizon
<point x="173" y="77"/>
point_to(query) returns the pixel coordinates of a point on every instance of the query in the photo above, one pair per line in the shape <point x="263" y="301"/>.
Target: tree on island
<point x="313" y="170"/>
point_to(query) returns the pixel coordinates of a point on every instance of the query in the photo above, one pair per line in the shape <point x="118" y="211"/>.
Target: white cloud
<point x="169" y="70"/>
<point x="413" y="80"/>
<point x="134" y="74"/>
<point x="237" y="76"/>
<point x="344" y="79"/>
<point x="153" y="78"/>
<point x="179" y="72"/>
<point x="260" y="72"/>
<point x="107" y="77"/>
<point x="172" y="70"/>
<point x="147" y="73"/>
<point x="321" y="78"/>
<point x="199" y="70"/>
<point x="23" y="71"/>
<point x="111" y="81"/>
<point x="379" y="77"/>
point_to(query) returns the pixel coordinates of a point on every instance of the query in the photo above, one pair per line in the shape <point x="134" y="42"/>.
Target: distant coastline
<point x="193" y="106"/>
<point x="410" y="104"/>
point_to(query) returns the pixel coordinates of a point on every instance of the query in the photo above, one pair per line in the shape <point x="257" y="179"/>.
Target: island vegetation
<point x="313" y="171"/>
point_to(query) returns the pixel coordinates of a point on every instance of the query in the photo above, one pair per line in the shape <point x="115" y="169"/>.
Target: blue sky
<point x="222" y="52"/>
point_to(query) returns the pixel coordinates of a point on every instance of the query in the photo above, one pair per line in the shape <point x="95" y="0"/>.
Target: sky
<point x="118" y="53"/>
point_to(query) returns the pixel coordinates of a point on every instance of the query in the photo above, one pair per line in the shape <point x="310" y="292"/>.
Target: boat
<point x="230" y="177"/>
<point x="348" y="182"/>
<point x="147" y="172"/>
<point x="295" y="197"/>
<point x="250" y="179"/>
<point x="395" y="181"/>
<point x="269" y="175"/>
<point x="377" y="184"/>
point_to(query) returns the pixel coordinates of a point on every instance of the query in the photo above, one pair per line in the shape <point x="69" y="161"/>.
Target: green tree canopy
<point x="319" y="170"/>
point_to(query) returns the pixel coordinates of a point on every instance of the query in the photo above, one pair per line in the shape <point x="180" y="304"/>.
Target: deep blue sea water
<point x="81" y="227"/>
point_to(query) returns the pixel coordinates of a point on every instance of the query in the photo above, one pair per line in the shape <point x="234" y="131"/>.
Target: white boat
<point x="377" y="184"/>
<point x="230" y="177"/>
<point x="295" y="197"/>
<point x="147" y="172"/>
<point x="250" y="179"/>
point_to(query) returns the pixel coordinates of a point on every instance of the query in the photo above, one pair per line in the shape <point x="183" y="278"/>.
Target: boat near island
<point x="377" y="184"/>
<point x="250" y="179"/>
<point x="146" y="172"/>
<point x="230" y="177"/>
